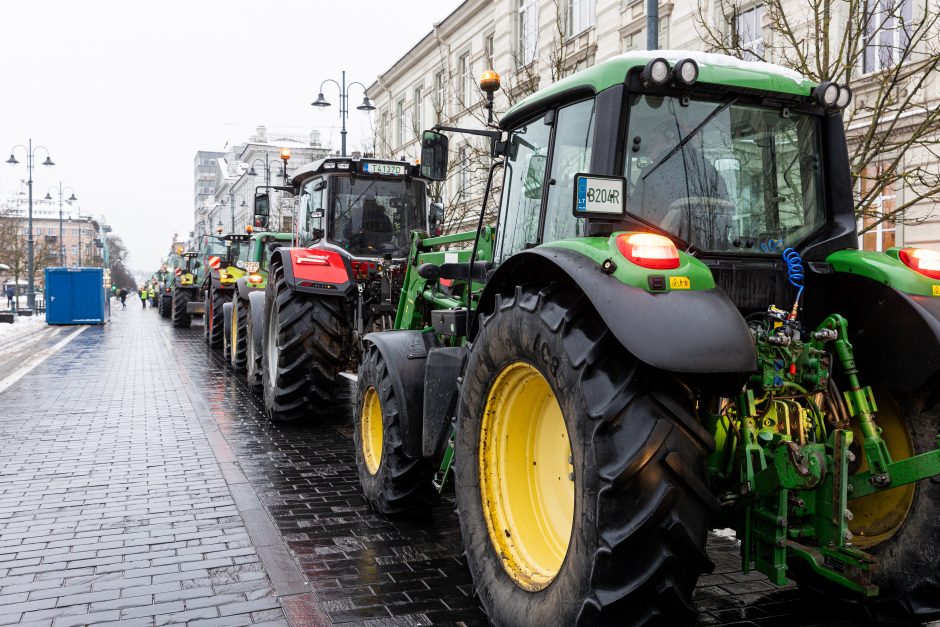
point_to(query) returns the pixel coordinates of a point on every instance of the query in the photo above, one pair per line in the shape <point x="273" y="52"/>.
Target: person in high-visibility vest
<point x="153" y="296"/>
<point x="143" y="296"/>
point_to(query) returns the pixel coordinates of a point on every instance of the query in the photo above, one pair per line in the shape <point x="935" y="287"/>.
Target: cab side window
<point x="312" y="203"/>
<point x="522" y="189"/>
<point x="571" y="154"/>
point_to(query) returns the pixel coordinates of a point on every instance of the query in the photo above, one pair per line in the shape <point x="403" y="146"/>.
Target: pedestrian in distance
<point x="143" y="297"/>
<point x="151" y="294"/>
<point x="10" y="291"/>
<point x="122" y="293"/>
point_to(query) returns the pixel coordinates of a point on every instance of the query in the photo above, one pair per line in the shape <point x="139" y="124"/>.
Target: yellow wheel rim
<point x="234" y="338"/>
<point x="877" y="517"/>
<point x="526" y="476"/>
<point x="371" y="424"/>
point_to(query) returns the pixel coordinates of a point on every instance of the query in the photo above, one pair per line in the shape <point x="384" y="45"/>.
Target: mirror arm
<point x="493" y="135"/>
<point x="280" y="188"/>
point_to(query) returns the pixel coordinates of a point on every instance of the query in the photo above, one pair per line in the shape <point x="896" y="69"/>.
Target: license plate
<point x="388" y="169"/>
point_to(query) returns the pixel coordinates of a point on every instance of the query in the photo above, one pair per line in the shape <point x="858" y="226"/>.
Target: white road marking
<point x="37" y="358"/>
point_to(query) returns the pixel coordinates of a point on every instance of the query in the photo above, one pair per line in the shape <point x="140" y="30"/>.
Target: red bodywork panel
<point x="318" y="266"/>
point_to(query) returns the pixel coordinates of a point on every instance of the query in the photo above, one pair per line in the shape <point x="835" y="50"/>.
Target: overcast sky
<point x="123" y="93"/>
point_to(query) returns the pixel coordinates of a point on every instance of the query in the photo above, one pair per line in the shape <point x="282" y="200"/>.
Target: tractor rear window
<point x="724" y="176"/>
<point x="374" y="217"/>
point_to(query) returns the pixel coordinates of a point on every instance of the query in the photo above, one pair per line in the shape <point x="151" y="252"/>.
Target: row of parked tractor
<point x="668" y="329"/>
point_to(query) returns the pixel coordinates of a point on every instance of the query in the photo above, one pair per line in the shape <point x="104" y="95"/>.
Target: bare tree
<point x="888" y="51"/>
<point x="14" y="247"/>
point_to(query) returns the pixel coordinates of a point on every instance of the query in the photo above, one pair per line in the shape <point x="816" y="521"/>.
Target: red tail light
<point x="254" y="278"/>
<point x="649" y="250"/>
<point x="926" y="262"/>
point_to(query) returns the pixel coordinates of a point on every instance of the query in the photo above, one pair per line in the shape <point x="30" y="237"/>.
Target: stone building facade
<point x="531" y="43"/>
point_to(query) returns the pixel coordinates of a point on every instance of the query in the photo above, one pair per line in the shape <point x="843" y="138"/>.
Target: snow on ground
<point x="725" y="533"/>
<point x="22" y="327"/>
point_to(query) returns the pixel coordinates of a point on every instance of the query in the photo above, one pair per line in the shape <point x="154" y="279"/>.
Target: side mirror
<point x="434" y="155"/>
<point x="436" y="218"/>
<point x="262" y="205"/>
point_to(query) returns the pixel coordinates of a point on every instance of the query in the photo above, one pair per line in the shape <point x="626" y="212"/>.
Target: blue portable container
<point x="76" y="296"/>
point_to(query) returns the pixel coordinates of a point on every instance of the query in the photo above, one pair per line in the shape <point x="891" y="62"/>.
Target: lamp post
<point x="343" y="102"/>
<point x="231" y="201"/>
<point x="70" y="200"/>
<point x="80" y="219"/>
<point x="30" y="159"/>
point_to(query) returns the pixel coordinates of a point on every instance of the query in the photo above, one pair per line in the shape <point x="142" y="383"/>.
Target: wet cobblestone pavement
<point x="140" y="483"/>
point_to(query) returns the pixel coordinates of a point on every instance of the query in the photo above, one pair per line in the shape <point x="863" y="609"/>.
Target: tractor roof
<point x="716" y="69"/>
<point x="277" y="235"/>
<point x="343" y="165"/>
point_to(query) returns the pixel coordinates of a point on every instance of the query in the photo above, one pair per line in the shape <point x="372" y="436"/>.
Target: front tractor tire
<point x="254" y="331"/>
<point x="181" y="317"/>
<point x="579" y="471"/>
<point x="166" y="306"/>
<point x="239" y="335"/>
<point x="215" y="316"/>
<point x="303" y="350"/>
<point x="391" y="481"/>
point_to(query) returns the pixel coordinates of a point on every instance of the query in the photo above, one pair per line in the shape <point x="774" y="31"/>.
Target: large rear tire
<point x="166" y="306"/>
<point x="303" y="352"/>
<point x="240" y="334"/>
<point x="391" y="481"/>
<point x="181" y="317"/>
<point x="901" y="527"/>
<point x="579" y="472"/>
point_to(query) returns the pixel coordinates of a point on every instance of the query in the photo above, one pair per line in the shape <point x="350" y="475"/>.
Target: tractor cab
<point x="361" y="208"/>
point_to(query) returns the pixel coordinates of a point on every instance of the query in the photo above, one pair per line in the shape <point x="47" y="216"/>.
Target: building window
<point x="418" y="115"/>
<point x="883" y="231"/>
<point x="528" y="31"/>
<point x="489" y="43"/>
<point x="50" y="231"/>
<point x="887" y="34"/>
<point x="74" y="250"/>
<point x="464" y="67"/>
<point x="383" y="132"/>
<point x="580" y="16"/>
<point x="440" y="103"/>
<point x="749" y="32"/>
<point x="402" y="123"/>
<point x="632" y="41"/>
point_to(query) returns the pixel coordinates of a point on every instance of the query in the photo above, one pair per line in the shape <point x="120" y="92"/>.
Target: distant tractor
<point x="243" y="338"/>
<point x="225" y="267"/>
<point x="184" y="289"/>
<point x="356" y="219"/>
<point x="671" y="331"/>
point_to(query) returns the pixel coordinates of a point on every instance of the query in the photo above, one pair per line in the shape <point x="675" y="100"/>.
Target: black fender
<point x="405" y="353"/>
<point x="690" y="332"/>
<point x="241" y="287"/>
<point x="256" y="304"/>
<point x="895" y="336"/>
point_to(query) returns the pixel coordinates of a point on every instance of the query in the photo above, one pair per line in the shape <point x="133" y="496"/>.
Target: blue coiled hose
<point x="794" y="270"/>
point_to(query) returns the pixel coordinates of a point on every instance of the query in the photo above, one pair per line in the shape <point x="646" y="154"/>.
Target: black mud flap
<point x="444" y="366"/>
<point x="405" y="353"/>
<point x="896" y="336"/>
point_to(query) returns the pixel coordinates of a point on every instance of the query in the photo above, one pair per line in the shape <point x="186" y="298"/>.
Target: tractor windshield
<point x="237" y="251"/>
<point x="724" y="176"/>
<point x="374" y="217"/>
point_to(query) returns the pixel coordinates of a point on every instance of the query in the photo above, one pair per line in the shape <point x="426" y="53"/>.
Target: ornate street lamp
<point x="30" y="160"/>
<point x="69" y="200"/>
<point x="343" y="103"/>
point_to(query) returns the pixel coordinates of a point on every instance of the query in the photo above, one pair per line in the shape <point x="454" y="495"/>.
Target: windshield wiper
<point x="685" y="140"/>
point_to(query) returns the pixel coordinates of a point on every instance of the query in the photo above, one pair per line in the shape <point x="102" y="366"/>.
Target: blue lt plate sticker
<point x="599" y="195"/>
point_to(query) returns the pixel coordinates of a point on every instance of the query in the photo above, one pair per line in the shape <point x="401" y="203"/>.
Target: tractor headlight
<point x="826" y="93"/>
<point x="845" y="97"/>
<point x="686" y="71"/>
<point x="656" y="71"/>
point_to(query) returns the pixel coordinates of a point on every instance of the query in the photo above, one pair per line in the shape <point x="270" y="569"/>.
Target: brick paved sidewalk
<point x="112" y="505"/>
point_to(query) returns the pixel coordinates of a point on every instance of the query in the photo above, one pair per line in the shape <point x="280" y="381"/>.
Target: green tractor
<point x="226" y="264"/>
<point x="165" y="278"/>
<point x="671" y="331"/>
<point x="244" y="315"/>
<point x="182" y="287"/>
